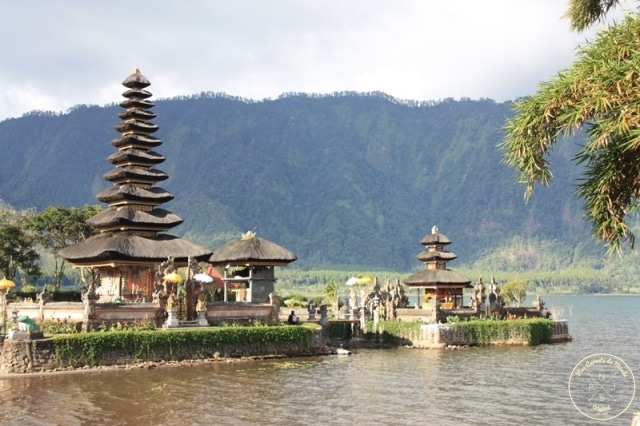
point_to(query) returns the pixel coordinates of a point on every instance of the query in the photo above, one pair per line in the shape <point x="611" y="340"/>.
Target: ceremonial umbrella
<point x="173" y="278"/>
<point x="6" y="284"/>
<point x="365" y="279"/>
<point x="359" y="280"/>
<point x="352" y="281"/>
<point x="203" y="278"/>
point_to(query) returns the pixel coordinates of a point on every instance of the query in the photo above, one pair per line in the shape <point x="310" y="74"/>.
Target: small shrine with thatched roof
<point x="132" y="247"/>
<point x="437" y="287"/>
<point x="249" y="264"/>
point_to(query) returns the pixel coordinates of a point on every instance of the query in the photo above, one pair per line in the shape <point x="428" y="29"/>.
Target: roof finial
<point x="434" y="229"/>
<point x="248" y="235"/>
<point x="137" y="71"/>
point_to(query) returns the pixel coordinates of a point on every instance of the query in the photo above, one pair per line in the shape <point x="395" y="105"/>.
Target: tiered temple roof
<point x="435" y="258"/>
<point x="132" y="227"/>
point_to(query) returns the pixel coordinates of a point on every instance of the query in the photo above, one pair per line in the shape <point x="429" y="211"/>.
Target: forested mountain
<point x="346" y="179"/>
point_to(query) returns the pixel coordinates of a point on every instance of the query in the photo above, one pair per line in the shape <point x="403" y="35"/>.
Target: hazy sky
<point x="57" y="54"/>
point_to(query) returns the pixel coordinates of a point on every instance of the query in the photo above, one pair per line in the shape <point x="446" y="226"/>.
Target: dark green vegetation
<point x="484" y="332"/>
<point x="349" y="181"/>
<point x="477" y="332"/>
<point x="95" y="349"/>
<point x="135" y="345"/>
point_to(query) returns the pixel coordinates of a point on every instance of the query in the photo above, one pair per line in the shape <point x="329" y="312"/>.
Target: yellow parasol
<point x="6" y="284"/>
<point x="365" y="279"/>
<point x="173" y="278"/>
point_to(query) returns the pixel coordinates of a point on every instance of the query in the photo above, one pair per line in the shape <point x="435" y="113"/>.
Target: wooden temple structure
<point x="437" y="287"/>
<point x="249" y="265"/>
<point x="132" y="244"/>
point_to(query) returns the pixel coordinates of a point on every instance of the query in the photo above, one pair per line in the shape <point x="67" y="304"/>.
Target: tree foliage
<point x="584" y="13"/>
<point x="332" y="290"/>
<point x="599" y="94"/>
<point x="514" y="292"/>
<point x="17" y="245"/>
<point x="58" y="227"/>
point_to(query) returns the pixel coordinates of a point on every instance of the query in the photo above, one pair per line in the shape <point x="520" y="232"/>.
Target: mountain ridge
<point x="338" y="179"/>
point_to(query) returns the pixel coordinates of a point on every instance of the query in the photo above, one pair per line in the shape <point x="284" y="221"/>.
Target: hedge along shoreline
<point x="487" y="332"/>
<point x="473" y="333"/>
<point x="130" y="347"/>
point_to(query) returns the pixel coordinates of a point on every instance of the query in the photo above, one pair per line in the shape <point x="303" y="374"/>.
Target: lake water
<point x="476" y="386"/>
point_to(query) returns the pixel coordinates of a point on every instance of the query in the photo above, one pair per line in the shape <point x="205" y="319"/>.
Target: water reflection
<point x="479" y="386"/>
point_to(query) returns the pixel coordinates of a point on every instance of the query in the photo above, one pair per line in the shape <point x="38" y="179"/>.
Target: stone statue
<point x="164" y="268"/>
<point x="44" y="296"/>
<point x="171" y="302"/>
<point x="495" y="299"/>
<point x="538" y="303"/>
<point x="479" y="294"/>
<point x="27" y="324"/>
<point x="353" y="299"/>
<point x="274" y="299"/>
<point x="403" y="299"/>
<point x="201" y="305"/>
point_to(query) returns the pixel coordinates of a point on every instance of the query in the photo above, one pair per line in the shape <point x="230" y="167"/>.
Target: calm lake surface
<point x="476" y="386"/>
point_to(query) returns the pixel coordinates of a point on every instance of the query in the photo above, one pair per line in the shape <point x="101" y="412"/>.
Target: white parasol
<point x="364" y="279"/>
<point x="353" y="281"/>
<point x="203" y="278"/>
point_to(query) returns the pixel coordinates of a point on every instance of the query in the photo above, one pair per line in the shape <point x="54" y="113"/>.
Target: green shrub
<point x="483" y="332"/>
<point x="477" y="331"/>
<point x="93" y="349"/>
<point x="394" y="332"/>
<point x="295" y="301"/>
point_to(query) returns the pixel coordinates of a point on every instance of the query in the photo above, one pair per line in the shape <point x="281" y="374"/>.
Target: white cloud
<point x="63" y="53"/>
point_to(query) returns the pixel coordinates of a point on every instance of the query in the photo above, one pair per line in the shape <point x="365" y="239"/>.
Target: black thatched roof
<point x="136" y="81"/>
<point x="137" y="114"/>
<point x="135" y="173"/>
<point x="135" y="140"/>
<point x="437" y="277"/>
<point x="435" y="238"/>
<point x="135" y="156"/>
<point x="427" y="256"/>
<point x="122" y="246"/>
<point x="133" y="193"/>
<point x="251" y="250"/>
<point x="128" y="216"/>
<point x="136" y="126"/>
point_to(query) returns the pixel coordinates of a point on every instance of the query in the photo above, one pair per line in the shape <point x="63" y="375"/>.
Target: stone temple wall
<point x="39" y="356"/>
<point x="445" y="335"/>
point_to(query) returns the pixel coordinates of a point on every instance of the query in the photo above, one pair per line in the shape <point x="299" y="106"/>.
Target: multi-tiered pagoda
<point x="133" y="242"/>
<point x="443" y="288"/>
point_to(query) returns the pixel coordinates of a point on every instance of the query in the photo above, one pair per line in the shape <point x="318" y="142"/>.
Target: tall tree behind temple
<point x="17" y="245"/>
<point x="58" y="227"/>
